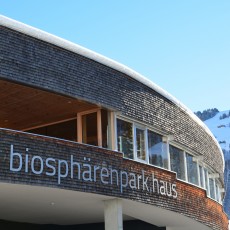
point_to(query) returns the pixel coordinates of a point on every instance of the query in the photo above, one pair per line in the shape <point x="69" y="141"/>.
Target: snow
<point x="221" y="129"/>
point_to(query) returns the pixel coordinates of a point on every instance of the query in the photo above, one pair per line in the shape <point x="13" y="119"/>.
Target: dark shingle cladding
<point x="191" y="200"/>
<point x="36" y="63"/>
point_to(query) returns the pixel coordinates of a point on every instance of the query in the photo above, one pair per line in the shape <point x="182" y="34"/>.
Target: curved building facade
<point x="86" y="142"/>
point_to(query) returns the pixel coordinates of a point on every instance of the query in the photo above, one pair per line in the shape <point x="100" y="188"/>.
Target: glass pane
<point x="206" y="180"/>
<point x="64" y="130"/>
<point x="201" y="176"/>
<point x="212" y="188"/>
<point x="177" y="161"/>
<point x="104" y="124"/>
<point x="125" y="138"/>
<point x="140" y="144"/>
<point x="157" y="150"/>
<point x="40" y="131"/>
<point x="89" y="129"/>
<point x="217" y="192"/>
<point x="191" y="170"/>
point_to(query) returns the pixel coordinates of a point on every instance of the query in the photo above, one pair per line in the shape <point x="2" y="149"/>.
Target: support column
<point x="113" y="214"/>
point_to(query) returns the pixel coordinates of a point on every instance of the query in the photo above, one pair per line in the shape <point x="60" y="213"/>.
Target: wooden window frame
<point x="99" y="128"/>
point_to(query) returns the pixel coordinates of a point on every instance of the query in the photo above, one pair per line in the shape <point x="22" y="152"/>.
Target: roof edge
<point x="55" y="40"/>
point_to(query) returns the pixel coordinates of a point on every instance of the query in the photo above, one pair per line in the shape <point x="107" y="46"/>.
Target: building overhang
<point x="24" y="107"/>
<point x="43" y="205"/>
<point x="67" y="45"/>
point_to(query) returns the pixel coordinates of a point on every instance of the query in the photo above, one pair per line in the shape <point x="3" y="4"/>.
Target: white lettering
<point x="162" y="188"/>
<point x="123" y="179"/>
<point x="12" y="158"/>
<point x="168" y="189"/>
<point x="155" y="182"/>
<point x="111" y="176"/>
<point x="41" y="165"/>
<point x="95" y="172"/>
<point x="133" y="182"/>
<point x="174" y="190"/>
<point x="60" y="175"/>
<point x="138" y="181"/>
<point x="89" y="173"/>
<point x="50" y="166"/>
<point x="27" y="160"/>
<point x="145" y="185"/>
<point x="86" y="176"/>
<point x="72" y="163"/>
<point x="104" y="174"/>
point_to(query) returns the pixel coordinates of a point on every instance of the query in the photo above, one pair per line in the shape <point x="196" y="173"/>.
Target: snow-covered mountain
<point x="220" y="127"/>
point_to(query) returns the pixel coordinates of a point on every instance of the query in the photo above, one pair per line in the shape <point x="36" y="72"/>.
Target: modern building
<point x="87" y="143"/>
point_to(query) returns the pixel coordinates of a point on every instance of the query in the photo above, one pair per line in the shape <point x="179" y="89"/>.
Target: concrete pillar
<point x="113" y="214"/>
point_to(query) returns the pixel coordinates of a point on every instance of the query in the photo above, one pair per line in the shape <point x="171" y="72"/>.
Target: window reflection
<point x="140" y="144"/>
<point x="89" y="129"/>
<point x="217" y="192"/>
<point x="206" y="180"/>
<point x="191" y="169"/>
<point x="125" y="138"/>
<point x="177" y="161"/>
<point x="148" y="144"/>
<point x="212" y="188"/>
<point x="201" y="176"/>
<point x="157" y="150"/>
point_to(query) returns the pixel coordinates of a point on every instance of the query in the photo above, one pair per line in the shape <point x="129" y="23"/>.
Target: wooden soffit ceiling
<point x="23" y="107"/>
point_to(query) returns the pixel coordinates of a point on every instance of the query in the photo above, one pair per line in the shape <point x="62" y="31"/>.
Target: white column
<point x="113" y="214"/>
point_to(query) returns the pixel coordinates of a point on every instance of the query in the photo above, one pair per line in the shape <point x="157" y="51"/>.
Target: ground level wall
<point x="127" y="225"/>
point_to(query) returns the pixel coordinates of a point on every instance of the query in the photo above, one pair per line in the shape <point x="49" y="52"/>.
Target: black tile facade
<point x="32" y="62"/>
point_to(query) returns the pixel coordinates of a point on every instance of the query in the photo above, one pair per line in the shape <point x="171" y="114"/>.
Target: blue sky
<point x="181" y="45"/>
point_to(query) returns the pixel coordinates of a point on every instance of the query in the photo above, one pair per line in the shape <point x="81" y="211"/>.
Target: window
<point x="217" y="192"/>
<point x="212" y="188"/>
<point x="140" y="144"/>
<point x="157" y="150"/>
<point x="177" y="161"/>
<point x="89" y="129"/>
<point x="206" y="180"/>
<point x="93" y="127"/>
<point x="125" y="138"/>
<point x="201" y="172"/>
<point x="192" y="172"/>
<point x="64" y="130"/>
<point x="136" y="142"/>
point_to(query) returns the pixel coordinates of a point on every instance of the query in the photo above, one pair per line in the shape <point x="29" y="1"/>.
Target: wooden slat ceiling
<point x="22" y="107"/>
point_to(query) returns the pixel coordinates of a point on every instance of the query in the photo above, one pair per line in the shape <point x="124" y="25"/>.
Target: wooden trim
<point x="79" y="128"/>
<point x="79" y="123"/>
<point x="112" y="130"/>
<point x="48" y="124"/>
<point x="99" y="128"/>
<point x="88" y="111"/>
